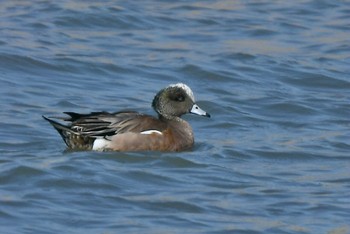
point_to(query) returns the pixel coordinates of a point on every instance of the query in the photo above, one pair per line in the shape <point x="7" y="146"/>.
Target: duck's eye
<point x="179" y="98"/>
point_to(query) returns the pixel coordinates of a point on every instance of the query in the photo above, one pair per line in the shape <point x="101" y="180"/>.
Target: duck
<point x="134" y="131"/>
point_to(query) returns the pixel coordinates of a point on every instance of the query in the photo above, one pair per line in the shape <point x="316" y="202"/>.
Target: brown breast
<point x="177" y="136"/>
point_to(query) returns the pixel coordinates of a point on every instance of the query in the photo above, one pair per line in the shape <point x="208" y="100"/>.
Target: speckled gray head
<point x="176" y="100"/>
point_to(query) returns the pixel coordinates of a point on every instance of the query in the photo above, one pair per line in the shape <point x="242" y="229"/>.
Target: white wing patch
<point x="100" y="144"/>
<point x="151" y="132"/>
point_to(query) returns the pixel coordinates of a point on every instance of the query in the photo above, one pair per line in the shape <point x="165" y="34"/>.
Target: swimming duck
<point x="133" y="131"/>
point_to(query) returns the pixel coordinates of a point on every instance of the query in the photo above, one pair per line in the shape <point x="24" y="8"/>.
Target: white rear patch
<point x="100" y="144"/>
<point x="151" y="132"/>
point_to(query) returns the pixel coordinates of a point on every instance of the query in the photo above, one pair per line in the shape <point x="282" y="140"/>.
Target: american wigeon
<point x="132" y="131"/>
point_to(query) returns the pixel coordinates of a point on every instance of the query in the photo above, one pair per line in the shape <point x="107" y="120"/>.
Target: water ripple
<point x="273" y="158"/>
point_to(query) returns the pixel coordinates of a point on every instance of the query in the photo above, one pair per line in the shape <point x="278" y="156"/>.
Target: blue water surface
<point x="274" y="75"/>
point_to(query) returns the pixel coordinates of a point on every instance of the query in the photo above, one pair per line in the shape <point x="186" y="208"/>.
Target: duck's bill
<point x="198" y="111"/>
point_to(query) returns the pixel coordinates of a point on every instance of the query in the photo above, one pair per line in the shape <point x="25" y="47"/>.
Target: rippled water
<point x="274" y="75"/>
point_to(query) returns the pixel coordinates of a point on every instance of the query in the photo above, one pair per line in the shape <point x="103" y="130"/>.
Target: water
<point x="274" y="75"/>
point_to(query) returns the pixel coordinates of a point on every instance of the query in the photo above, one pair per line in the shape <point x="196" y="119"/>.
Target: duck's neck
<point x="170" y="118"/>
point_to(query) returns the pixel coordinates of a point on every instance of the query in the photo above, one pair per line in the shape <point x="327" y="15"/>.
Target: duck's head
<point x="176" y="100"/>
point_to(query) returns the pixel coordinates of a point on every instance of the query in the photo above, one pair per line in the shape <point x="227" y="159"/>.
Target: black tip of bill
<point x="198" y="111"/>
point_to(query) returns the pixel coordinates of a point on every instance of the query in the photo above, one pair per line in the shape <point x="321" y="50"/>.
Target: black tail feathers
<point x="60" y="128"/>
<point x="73" y="139"/>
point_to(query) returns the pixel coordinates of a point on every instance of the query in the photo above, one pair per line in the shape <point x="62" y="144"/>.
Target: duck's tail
<point x="73" y="139"/>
